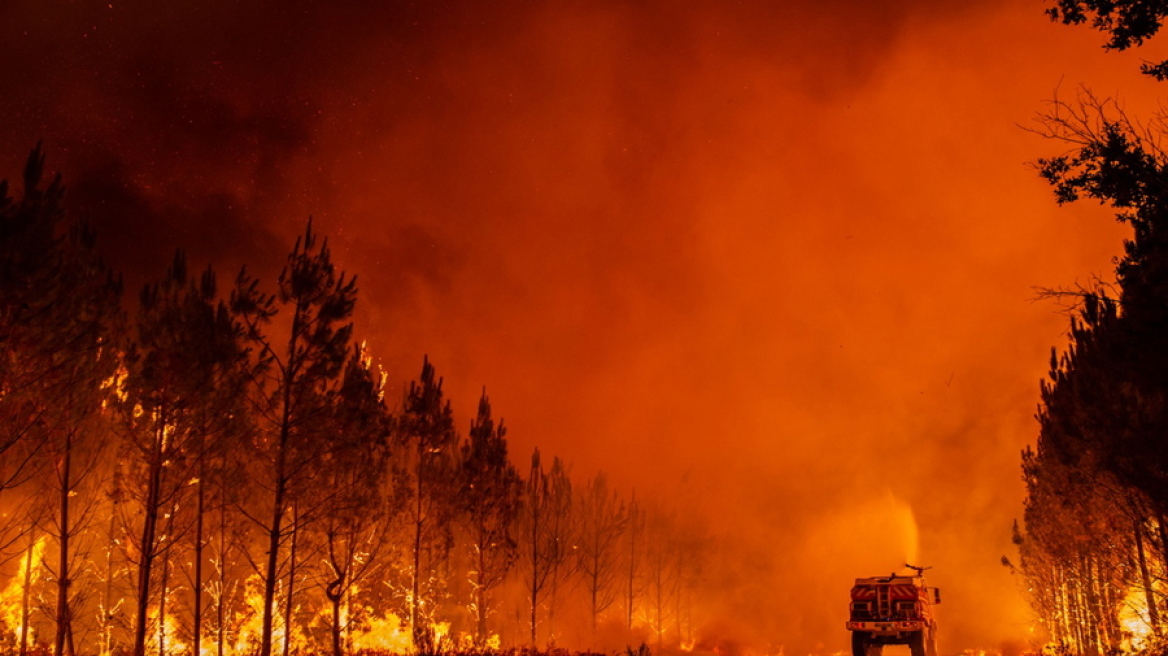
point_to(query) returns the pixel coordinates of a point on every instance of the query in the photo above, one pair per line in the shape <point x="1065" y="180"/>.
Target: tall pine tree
<point x="296" y="384"/>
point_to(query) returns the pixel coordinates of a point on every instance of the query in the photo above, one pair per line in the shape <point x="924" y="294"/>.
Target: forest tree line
<point x="219" y="471"/>
<point x="1093" y="543"/>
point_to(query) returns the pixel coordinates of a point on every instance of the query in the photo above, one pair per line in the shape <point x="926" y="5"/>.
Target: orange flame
<point x="170" y="633"/>
<point x="1134" y="620"/>
<point x="385" y="633"/>
<point x="250" y="622"/>
<point x="12" y="597"/>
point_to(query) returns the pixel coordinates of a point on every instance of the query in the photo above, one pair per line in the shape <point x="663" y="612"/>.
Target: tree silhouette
<point x="59" y="322"/>
<point x="602" y="517"/>
<point x="635" y="545"/>
<point x="1116" y="370"/>
<point x="489" y="502"/>
<point x="178" y="396"/>
<point x="296" y="385"/>
<point x="426" y="434"/>
<point x="547" y="536"/>
<point x="354" y="526"/>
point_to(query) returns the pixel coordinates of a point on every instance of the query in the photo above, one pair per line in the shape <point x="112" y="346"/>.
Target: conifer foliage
<point x="1129" y="23"/>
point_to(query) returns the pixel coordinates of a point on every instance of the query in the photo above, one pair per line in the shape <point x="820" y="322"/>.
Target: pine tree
<point x="182" y="368"/>
<point x="59" y="323"/>
<point x="354" y="527"/>
<point x="546" y="528"/>
<point x="296" y="385"/>
<point x="426" y="435"/>
<point x="489" y="502"/>
<point x="602" y="516"/>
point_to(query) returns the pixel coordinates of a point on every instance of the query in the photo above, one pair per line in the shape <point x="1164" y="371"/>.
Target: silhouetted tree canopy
<point x="1128" y="22"/>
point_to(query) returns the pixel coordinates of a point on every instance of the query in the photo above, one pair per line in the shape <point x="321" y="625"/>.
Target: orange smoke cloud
<point x="785" y="254"/>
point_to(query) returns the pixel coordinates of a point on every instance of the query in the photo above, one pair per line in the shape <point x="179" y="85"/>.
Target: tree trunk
<point x="481" y="598"/>
<point x="335" y="593"/>
<point x="337" y="651"/>
<point x="1078" y="623"/>
<point x="347" y="629"/>
<point x="146" y="551"/>
<point x="1095" y="614"/>
<point x="553" y="601"/>
<point x="63" y="615"/>
<point x="71" y="646"/>
<point x="288" y="608"/>
<point x="1146" y="577"/>
<point x="107" y="617"/>
<point x="593" y="589"/>
<point x="415" y="588"/>
<point x="272" y="569"/>
<point x="630" y="600"/>
<point x="659" y="601"/>
<point x="1063" y="607"/>
<point x="534" y="568"/>
<point x="197" y="583"/>
<point x="162" y="592"/>
<point x="220" y="607"/>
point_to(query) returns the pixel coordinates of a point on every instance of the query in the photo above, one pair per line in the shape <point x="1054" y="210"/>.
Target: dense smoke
<point x="772" y="264"/>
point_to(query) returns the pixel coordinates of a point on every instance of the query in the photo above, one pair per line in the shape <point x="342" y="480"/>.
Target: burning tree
<point x="355" y="528"/>
<point x="59" y="319"/>
<point x="602" y="516"/>
<point x="547" y="530"/>
<point x="255" y="440"/>
<point x="294" y="391"/>
<point x="661" y="576"/>
<point x="635" y="545"/>
<point x="176" y="405"/>
<point x="426" y="436"/>
<point x="489" y="501"/>
<point x="1077" y="554"/>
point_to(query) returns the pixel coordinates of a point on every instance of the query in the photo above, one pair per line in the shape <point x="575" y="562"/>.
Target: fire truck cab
<point x="893" y="610"/>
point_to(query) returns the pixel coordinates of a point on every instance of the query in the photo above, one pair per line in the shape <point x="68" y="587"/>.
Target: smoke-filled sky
<point x="776" y="259"/>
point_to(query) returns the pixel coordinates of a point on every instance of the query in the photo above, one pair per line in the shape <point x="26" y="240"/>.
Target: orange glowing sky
<point x="778" y="256"/>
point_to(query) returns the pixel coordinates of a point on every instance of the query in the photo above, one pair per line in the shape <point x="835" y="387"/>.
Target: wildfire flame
<point x="170" y="634"/>
<point x="250" y="622"/>
<point x="12" y="597"/>
<point x="1135" y="620"/>
<point x="384" y="633"/>
<point x="116" y="384"/>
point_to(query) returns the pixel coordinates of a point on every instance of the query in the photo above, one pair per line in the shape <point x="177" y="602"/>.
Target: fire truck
<point x="894" y="610"/>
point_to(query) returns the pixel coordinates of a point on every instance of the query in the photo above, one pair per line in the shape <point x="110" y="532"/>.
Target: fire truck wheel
<point x="916" y="643"/>
<point x="859" y="644"/>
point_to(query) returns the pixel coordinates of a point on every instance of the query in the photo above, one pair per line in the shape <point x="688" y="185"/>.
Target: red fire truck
<point x="894" y="610"/>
